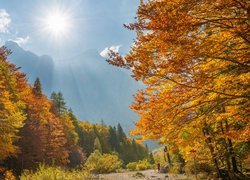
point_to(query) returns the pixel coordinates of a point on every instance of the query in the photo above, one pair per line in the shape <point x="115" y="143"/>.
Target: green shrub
<point x="140" y="165"/>
<point x="54" y="173"/>
<point x="103" y="163"/>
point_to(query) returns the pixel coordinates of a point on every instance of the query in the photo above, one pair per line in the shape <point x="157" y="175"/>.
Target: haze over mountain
<point x="93" y="89"/>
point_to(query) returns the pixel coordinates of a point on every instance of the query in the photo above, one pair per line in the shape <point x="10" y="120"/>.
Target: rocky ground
<point x="148" y="174"/>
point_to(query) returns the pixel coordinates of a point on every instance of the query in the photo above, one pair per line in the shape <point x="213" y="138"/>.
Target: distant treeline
<point x="36" y="129"/>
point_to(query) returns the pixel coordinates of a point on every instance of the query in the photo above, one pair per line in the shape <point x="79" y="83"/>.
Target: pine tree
<point x="59" y="107"/>
<point x="112" y="138"/>
<point x="120" y="133"/>
<point x="37" y="89"/>
<point x="151" y="158"/>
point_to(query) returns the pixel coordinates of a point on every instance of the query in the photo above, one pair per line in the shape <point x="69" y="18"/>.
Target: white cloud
<point x="21" y="40"/>
<point x="4" y="21"/>
<point x="105" y="52"/>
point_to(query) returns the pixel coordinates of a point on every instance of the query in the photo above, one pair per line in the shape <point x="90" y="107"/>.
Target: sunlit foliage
<point x="193" y="56"/>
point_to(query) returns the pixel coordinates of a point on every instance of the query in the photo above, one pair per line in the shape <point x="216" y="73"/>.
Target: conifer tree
<point x="59" y="105"/>
<point x="120" y="133"/>
<point x="151" y="158"/>
<point x="37" y="89"/>
<point x="113" y="138"/>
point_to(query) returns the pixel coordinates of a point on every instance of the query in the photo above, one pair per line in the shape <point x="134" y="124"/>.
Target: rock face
<point x="34" y="66"/>
<point x="93" y="89"/>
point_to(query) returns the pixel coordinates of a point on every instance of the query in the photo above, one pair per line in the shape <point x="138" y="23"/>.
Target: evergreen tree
<point x="151" y="158"/>
<point x="135" y="150"/>
<point x="120" y="133"/>
<point x="37" y="89"/>
<point x="112" y="138"/>
<point x="146" y="146"/>
<point x="59" y="105"/>
<point x="72" y="116"/>
<point x="103" y="123"/>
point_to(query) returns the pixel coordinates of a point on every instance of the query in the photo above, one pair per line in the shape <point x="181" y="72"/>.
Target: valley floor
<point x="148" y="174"/>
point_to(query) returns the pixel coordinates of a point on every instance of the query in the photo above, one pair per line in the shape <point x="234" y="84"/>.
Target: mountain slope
<point x="93" y="89"/>
<point x="34" y="66"/>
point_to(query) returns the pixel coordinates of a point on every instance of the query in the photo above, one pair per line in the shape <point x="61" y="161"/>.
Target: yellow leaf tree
<point x="11" y="108"/>
<point x="193" y="57"/>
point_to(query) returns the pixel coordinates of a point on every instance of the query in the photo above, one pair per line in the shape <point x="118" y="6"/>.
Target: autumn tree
<point x="71" y="129"/>
<point x="11" y="107"/>
<point x="43" y="138"/>
<point x="193" y="56"/>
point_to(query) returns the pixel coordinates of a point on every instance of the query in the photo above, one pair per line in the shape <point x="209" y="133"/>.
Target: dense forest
<point x="37" y="130"/>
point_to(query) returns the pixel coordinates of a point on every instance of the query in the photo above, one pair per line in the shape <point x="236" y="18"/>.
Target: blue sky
<point x="94" y="24"/>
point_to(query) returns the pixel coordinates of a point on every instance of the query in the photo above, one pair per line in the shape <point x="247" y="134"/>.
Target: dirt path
<point x="148" y="174"/>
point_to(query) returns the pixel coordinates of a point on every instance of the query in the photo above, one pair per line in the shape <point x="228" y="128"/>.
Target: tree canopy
<point x="193" y="57"/>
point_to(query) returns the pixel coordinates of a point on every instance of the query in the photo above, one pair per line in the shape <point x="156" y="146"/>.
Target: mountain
<point x="93" y="89"/>
<point x="34" y="66"/>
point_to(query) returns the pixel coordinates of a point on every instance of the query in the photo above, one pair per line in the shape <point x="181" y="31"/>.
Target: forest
<point x="193" y="58"/>
<point x="37" y="130"/>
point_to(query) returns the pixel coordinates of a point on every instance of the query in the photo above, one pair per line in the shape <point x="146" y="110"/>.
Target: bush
<point x="54" y="173"/>
<point x="140" y="165"/>
<point x="76" y="157"/>
<point x="175" y="169"/>
<point x="103" y="163"/>
<point x="9" y="175"/>
<point x="189" y="168"/>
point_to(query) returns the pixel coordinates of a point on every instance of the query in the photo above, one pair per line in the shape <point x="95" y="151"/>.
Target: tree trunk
<point x="168" y="156"/>
<point x="233" y="158"/>
<point x="231" y="152"/>
<point x="211" y="148"/>
<point x="227" y="154"/>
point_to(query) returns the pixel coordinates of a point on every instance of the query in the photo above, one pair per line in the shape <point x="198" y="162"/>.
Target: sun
<point x="57" y="24"/>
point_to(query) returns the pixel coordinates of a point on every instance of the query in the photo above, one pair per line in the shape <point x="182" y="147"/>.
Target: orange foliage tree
<point x="42" y="137"/>
<point x="193" y="57"/>
<point x="11" y="108"/>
